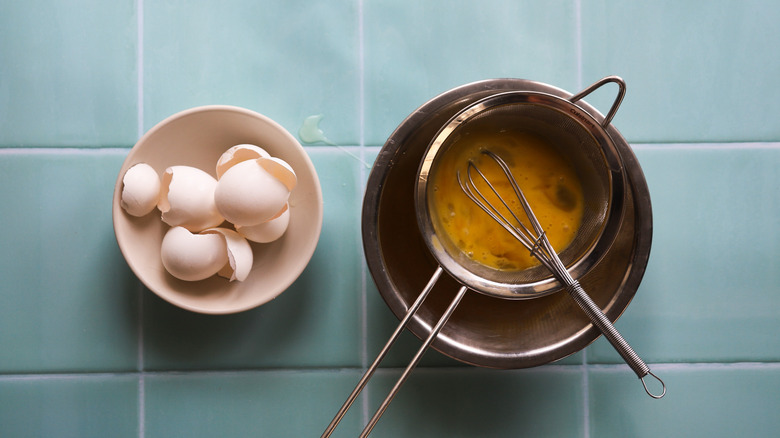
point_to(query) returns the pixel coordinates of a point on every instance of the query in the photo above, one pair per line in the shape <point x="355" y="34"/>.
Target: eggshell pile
<point x="251" y="192"/>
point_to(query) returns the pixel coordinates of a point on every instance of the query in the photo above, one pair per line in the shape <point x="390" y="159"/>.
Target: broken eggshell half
<point x="192" y="257"/>
<point x="239" y="253"/>
<point x="253" y="191"/>
<point x="267" y="231"/>
<point x="187" y="199"/>
<point x="140" y="190"/>
<point x="237" y="154"/>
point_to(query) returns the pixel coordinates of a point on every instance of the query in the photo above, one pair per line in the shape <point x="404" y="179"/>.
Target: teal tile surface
<point x="695" y="72"/>
<point x="86" y="351"/>
<point x="68" y="78"/>
<point x="285" y="59"/>
<point x="68" y="301"/>
<point x="710" y="290"/>
<point x="69" y="406"/>
<point x="262" y="404"/>
<point x="313" y="324"/>
<point x="703" y="401"/>
<point x="482" y="403"/>
<point x="414" y="51"/>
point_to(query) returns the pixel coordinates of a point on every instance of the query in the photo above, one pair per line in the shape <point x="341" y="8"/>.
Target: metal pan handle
<point x="596" y="85"/>
<point x="412" y="364"/>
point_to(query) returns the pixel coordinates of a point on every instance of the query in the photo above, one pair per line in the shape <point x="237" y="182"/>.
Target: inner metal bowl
<point x="587" y="147"/>
<point x="484" y="330"/>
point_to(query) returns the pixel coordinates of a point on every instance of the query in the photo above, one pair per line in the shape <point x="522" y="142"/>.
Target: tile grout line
<point x="578" y="41"/>
<point x="585" y="394"/>
<point x="362" y="175"/>
<point x="737" y="145"/>
<point x="364" y="407"/>
<point x="140" y="365"/>
<point x="660" y="146"/>
<point x="611" y="367"/>
<point x="140" y="66"/>
<point x="64" y="150"/>
<point x="579" y="68"/>
<point x="361" y="82"/>
<point x="140" y="133"/>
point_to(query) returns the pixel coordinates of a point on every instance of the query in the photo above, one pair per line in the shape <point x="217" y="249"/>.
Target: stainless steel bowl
<point x="488" y="331"/>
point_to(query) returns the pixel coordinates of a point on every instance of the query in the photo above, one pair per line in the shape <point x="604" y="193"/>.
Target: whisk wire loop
<point x="538" y="229"/>
<point x="539" y="245"/>
<point x="516" y="228"/>
<point x="473" y="192"/>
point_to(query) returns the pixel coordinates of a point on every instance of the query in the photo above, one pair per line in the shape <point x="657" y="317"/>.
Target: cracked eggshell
<point x="140" y="190"/>
<point x="267" y="231"/>
<point x="193" y="257"/>
<point x="187" y="199"/>
<point x="280" y="170"/>
<point x="237" y="154"/>
<point x="247" y="194"/>
<point x="239" y="253"/>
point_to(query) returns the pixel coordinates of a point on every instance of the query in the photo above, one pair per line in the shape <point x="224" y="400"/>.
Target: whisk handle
<point x="600" y="320"/>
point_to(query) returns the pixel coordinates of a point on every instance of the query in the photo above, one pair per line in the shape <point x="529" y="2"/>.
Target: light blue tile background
<point x="285" y="59"/>
<point x="86" y="351"/>
<point x="68" y="78"/>
<point x="416" y="50"/>
<point x="70" y="406"/>
<point x="697" y="72"/>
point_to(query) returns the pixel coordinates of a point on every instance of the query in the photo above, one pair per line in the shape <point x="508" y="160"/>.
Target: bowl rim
<point x="307" y="252"/>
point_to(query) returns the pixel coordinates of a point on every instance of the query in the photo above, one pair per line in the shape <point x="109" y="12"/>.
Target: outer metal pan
<point x="487" y="331"/>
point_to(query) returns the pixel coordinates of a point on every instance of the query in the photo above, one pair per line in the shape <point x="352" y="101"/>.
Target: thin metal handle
<point x="609" y="331"/>
<point x="613" y="110"/>
<point x="434" y="332"/>
<point x="396" y="334"/>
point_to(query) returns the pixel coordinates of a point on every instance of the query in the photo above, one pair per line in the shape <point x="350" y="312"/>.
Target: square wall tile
<point x="263" y="404"/>
<point x="414" y="51"/>
<point x="68" y="301"/>
<point x="474" y="402"/>
<point x="285" y="59"/>
<point x="710" y="291"/>
<point x="315" y="323"/>
<point x="695" y="72"/>
<point x="68" y="73"/>
<point x="701" y="401"/>
<point x="69" y="406"/>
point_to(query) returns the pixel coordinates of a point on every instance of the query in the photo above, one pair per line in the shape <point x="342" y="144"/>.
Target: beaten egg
<point x="547" y="179"/>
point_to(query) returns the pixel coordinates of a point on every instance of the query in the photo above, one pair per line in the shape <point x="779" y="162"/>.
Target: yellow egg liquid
<point x="548" y="181"/>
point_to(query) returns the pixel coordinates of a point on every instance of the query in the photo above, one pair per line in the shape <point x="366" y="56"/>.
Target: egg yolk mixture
<point x="548" y="181"/>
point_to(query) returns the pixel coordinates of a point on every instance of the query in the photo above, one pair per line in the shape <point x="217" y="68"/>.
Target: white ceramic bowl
<point x="197" y="137"/>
